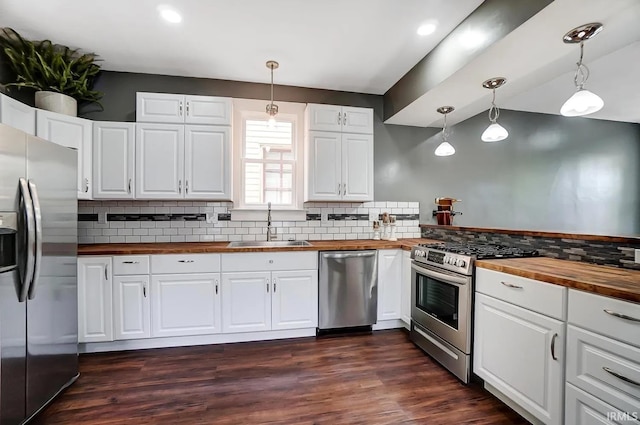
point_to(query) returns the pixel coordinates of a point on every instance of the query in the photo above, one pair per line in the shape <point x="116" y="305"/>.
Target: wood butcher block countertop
<point x="603" y="280"/>
<point x="217" y="247"/>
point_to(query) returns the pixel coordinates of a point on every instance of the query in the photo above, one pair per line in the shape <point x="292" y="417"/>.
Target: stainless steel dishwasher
<point x="348" y="289"/>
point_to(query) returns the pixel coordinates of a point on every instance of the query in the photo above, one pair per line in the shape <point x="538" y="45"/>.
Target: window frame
<point x="248" y="109"/>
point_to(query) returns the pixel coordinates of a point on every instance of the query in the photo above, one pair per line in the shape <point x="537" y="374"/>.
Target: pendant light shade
<point x="582" y="102"/>
<point x="272" y="108"/>
<point x="445" y="148"/>
<point x="495" y="132"/>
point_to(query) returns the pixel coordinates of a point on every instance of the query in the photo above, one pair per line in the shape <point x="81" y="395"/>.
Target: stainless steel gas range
<point x="442" y="285"/>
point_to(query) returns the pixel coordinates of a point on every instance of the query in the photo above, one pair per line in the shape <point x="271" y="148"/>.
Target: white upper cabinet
<point x="339" y="167"/>
<point x="357" y="167"/>
<point x="178" y="109"/>
<point x="339" y="118"/>
<point x="159" y="161"/>
<point x="113" y="160"/>
<point x="324" y="166"/>
<point x="207" y="162"/>
<point x="357" y="120"/>
<point x="159" y="107"/>
<point x="338" y="153"/>
<point x="17" y="114"/>
<point x="208" y="110"/>
<point x="74" y="133"/>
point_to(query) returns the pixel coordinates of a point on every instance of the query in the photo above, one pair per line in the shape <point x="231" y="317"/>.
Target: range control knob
<point x="462" y="263"/>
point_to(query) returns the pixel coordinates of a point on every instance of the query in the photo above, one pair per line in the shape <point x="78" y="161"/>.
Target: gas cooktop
<point x="459" y="257"/>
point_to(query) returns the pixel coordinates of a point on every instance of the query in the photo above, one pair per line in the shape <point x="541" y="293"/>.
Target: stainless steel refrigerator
<point x="38" y="282"/>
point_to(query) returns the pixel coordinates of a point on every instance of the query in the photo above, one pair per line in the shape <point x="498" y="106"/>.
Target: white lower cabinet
<point x="405" y="290"/>
<point x="603" y="360"/>
<point x="389" y="283"/>
<point x="185" y="304"/>
<point x="294" y="302"/>
<point x="246" y="303"/>
<point x="95" y="319"/>
<point x="521" y="353"/>
<point x="131" y="307"/>
<point x="260" y="301"/>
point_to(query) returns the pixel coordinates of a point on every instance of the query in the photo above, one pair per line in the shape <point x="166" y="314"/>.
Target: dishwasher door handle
<point x="350" y="255"/>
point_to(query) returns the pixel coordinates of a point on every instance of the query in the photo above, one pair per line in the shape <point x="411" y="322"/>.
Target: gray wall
<point x="552" y="173"/>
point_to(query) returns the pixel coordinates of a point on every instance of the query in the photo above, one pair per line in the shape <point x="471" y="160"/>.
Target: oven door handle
<point x="461" y="281"/>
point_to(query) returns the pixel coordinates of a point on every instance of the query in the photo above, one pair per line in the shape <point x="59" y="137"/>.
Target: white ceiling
<point x="351" y="45"/>
<point x="539" y="67"/>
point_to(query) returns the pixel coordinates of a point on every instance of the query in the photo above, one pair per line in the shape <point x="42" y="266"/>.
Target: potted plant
<point x="61" y="76"/>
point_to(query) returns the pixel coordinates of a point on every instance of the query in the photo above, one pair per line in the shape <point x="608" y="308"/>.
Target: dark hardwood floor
<point x="366" y="379"/>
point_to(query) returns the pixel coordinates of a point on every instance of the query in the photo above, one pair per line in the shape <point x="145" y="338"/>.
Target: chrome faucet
<point x="271" y="233"/>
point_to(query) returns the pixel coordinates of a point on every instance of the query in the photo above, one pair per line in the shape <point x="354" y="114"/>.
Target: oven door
<point x="441" y="303"/>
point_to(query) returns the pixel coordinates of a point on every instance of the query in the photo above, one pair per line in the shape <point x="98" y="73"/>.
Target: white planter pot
<point x="57" y="102"/>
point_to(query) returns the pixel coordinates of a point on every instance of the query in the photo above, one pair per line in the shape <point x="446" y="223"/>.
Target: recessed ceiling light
<point x="426" y="29"/>
<point x="169" y="14"/>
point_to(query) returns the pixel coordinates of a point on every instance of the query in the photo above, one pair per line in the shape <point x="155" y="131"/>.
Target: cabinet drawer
<point x="589" y="354"/>
<point x="261" y="261"/>
<point x="130" y="265"/>
<point x="582" y="408"/>
<point x="541" y="297"/>
<point x="185" y="263"/>
<point x="598" y="314"/>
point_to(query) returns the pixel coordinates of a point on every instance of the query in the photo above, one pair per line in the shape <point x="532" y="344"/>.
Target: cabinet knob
<point x="270" y="261"/>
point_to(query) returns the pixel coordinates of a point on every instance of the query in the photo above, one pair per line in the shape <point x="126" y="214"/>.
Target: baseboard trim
<point x="388" y="324"/>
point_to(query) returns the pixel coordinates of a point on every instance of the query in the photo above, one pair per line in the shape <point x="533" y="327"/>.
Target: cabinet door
<point x="208" y="110"/>
<point x="113" y="152"/>
<point x="159" y="107"/>
<point x="207" y="170"/>
<point x="186" y="304"/>
<point x="74" y="133"/>
<point x="159" y="161"/>
<point x="405" y="291"/>
<point x="246" y="302"/>
<point x="294" y="299"/>
<point x="357" y="120"/>
<point x="324" y="117"/>
<point x="389" y="284"/>
<point x="514" y="351"/>
<point x="357" y="167"/>
<point x="95" y="319"/>
<point x="323" y="173"/>
<point x="17" y="115"/>
<point x="583" y="408"/>
<point x="131" y="314"/>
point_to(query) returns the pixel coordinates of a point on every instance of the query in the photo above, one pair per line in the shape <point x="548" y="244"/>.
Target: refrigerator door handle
<point x="37" y="213"/>
<point x="27" y="206"/>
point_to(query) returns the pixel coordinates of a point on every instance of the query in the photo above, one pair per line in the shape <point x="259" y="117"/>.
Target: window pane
<point x="260" y="139"/>
<point x="287" y="197"/>
<point x="253" y="183"/>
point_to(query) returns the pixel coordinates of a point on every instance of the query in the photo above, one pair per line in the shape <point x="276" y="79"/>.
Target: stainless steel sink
<point x="247" y="244"/>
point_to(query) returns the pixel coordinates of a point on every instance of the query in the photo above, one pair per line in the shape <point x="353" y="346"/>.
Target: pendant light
<point x="445" y="148"/>
<point x="583" y="102"/>
<point x="495" y="132"/>
<point x="272" y="108"/>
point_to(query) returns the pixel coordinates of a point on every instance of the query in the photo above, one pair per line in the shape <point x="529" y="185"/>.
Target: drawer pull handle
<point x="131" y="262"/>
<point x="144" y="291"/>
<point x="185" y="261"/>
<point x="511" y="285"/>
<point x="621" y="377"/>
<point x="553" y="347"/>
<point x="620" y="315"/>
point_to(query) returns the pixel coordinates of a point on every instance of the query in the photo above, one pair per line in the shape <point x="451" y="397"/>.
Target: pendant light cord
<point x="444" y="129"/>
<point x="272" y="86"/>
<point x="582" y="72"/>
<point x="494" y="111"/>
